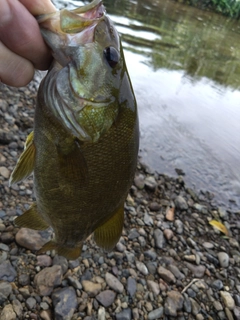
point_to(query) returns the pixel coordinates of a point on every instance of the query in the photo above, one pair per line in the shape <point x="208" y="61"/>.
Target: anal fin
<point x="25" y="163"/>
<point x="31" y="219"/>
<point x="67" y="252"/>
<point x="108" y="234"/>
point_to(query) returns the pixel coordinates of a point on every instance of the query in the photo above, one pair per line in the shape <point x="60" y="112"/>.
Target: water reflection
<point x="185" y="67"/>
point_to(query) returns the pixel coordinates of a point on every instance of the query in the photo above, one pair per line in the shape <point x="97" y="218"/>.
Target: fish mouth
<point x="71" y="27"/>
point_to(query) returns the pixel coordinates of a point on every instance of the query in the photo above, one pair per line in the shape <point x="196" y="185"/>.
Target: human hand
<point x="22" y="49"/>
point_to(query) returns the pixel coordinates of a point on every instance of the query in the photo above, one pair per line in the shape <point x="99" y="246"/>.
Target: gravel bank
<point x="170" y="262"/>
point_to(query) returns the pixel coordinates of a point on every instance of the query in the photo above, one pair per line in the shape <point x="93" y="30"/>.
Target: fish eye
<point x="112" y="56"/>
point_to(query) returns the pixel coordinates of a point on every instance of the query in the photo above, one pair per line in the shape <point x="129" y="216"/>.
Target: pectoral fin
<point x="67" y="252"/>
<point x="107" y="235"/>
<point x="72" y="165"/>
<point x="31" y="219"/>
<point x="25" y="163"/>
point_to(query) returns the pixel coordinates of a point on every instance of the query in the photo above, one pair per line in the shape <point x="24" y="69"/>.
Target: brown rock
<point x="91" y="288"/>
<point x="166" y="275"/>
<point x="170" y="213"/>
<point x="47" y="279"/>
<point x="31" y="239"/>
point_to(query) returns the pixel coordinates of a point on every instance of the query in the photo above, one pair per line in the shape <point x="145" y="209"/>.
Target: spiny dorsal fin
<point x="107" y="235"/>
<point x="31" y="219"/>
<point x="25" y="163"/>
<point x="67" y="252"/>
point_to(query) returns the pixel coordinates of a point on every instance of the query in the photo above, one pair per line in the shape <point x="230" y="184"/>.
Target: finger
<point x="15" y="71"/>
<point x="19" y="31"/>
<point x="37" y="7"/>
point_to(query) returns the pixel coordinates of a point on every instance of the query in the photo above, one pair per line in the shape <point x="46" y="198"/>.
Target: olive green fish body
<point x="83" y="151"/>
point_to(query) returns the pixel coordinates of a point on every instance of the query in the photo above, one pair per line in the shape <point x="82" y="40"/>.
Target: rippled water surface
<point x="185" y="68"/>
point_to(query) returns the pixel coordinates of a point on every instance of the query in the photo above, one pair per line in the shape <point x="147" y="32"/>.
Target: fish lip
<point x="87" y="15"/>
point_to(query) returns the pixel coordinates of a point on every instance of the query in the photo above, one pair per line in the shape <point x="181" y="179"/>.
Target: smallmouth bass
<point x="83" y="149"/>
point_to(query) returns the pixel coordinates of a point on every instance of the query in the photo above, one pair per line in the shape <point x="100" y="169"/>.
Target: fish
<point x="84" y="146"/>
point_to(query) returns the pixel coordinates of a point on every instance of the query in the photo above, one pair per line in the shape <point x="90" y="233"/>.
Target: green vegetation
<point x="229" y="8"/>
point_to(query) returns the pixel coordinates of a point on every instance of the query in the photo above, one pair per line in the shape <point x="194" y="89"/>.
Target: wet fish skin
<point x="84" y="148"/>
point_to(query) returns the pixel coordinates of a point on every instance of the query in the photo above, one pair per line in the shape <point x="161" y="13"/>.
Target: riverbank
<point x="229" y="8"/>
<point x="170" y="262"/>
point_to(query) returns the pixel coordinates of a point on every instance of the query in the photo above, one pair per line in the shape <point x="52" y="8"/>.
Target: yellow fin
<point x="31" y="219"/>
<point x="25" y="163"/>
<point x="108" y="234"/>
<point x="218" y="225"/>
<point x="67" y="252"/>
<point x="72" y="165"/>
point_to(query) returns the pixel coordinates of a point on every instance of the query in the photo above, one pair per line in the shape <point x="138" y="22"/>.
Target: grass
<point x="230" y="8"/>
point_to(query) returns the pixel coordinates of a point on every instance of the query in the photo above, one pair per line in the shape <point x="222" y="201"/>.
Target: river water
<point x="184" y="64"/>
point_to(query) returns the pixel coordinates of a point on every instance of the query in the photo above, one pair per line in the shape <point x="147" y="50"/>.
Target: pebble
<point x="106" y="298"/>
<point x="153" y="286"/>
<point x="131" y="286"/>
<point x="47" y="279"/>
<point x="64" y="302"/>
<point x="114" y="283"/>
<point x="155" y="314"/>
<point x="142" y="268"/>
<point x="227" y="300"/>
<point x="223" y="258"/>
<point x="198" y="271"/>
<point x="5" y="289"/>
<point x="17" y="307"/>
<point x="7" y="272"/>
<point x="8" y="313"/>
<point x="44" y="261"/>
<point x="181" y="203"/>
<point x="4" y="172"/>
<point x="158" y="238"/>
<point x="31" y="239"/>
<point x="166" y="275"/>
<point x="150" y="183"/>
<point x="125" y="314"/>
<point x="91" y="288"/>
<point x="170" y="213"/>
<point x="173" y="303"/>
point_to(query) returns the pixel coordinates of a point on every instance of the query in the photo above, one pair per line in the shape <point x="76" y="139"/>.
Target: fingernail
<point x="5" y="13"/>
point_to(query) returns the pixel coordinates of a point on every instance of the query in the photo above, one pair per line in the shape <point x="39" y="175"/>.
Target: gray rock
<point x="131" y="286"/>
<point x="151" y="254"/>
<point x="166" y="275"/>
<point x="7" y="272"/>
<point x="177" y="273"/>
<point x="75" y="283"/>
<point x="217" y="284"/>
<point x="44" y="260"/>
<point x="31" y="303"/>
<point x="155" y="314"/>
<point x="223" y="258"/>
<point x="47" y="279"/>
<point x="181" y="203"/>
<point x="61" y="261"/>
<point x="236" y="312"/>
<point x="4" y="247"/>
<point x="113" y="282"/>
<point x="8" y="313"/>
<point x="195" y="307"/>
<point x="198" y="271"/>
<point x="5" y="289"/>
<point x="126" y="314"/>
<point x="24" y="279"/>
<point x="159" y="238"/>
<point x="130" y="256"/>
<point x="147" y="219"/>
<point x="142" y="268"/>
<point x="187" y="304"/>
<point x="3" y="257"/>
<point x="106" y="298"/>
<point x="150" y="183"/>
<point x="139" y="181"/>
<point x="179" y="226"/>
<point x="64" y="302"/>
<point x="173" y="303"/>
<point x="133" y="233"/>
